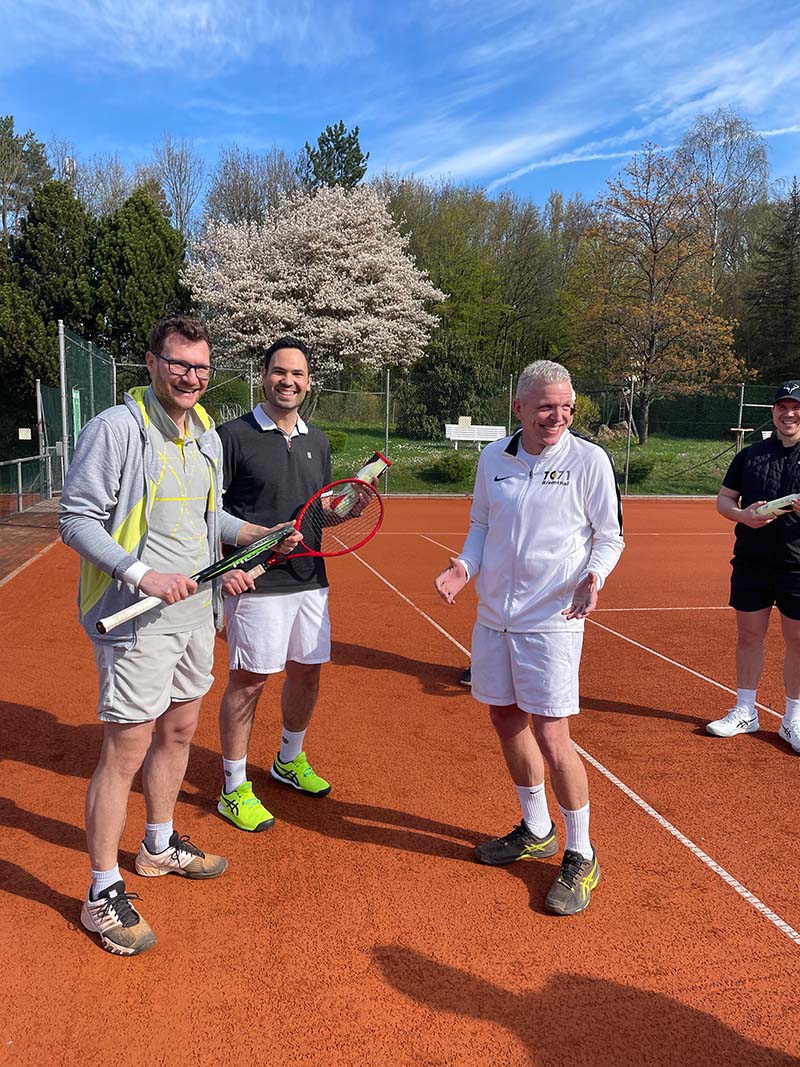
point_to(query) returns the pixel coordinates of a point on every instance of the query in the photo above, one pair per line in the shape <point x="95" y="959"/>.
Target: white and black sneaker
<point x="121" y="928"/>
<point x="736" y="721"/>
<point x="790" y="732"/>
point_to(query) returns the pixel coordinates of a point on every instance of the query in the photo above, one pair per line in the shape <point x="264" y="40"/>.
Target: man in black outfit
<point x="766" y="565"/>
<point x="273" y="463"/>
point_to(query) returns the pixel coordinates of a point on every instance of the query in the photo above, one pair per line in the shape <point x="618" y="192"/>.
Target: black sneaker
<point x="122" y="929"/>
<point x="466" y="677"/>
<point x="520" y="844"/>
<point x="572" y="890"/>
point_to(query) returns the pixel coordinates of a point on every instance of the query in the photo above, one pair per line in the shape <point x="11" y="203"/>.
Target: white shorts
<point x="138" y="684"/>
<point x="266" y="629"/>
<point x="537" y="672"/>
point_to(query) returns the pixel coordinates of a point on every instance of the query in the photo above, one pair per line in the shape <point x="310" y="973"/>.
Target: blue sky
<point x="523" y="94"/>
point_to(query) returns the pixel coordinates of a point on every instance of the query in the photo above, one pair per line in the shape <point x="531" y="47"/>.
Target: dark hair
<point x="187" y="326"/>
<point x="286" y="342"/>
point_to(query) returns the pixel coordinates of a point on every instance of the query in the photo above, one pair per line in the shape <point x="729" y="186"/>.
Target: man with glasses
<point x="142" y="507"/>
<point x="765" y="565"/>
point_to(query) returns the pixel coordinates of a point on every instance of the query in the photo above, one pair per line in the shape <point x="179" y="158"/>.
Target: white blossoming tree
<point x="330" y="268"/>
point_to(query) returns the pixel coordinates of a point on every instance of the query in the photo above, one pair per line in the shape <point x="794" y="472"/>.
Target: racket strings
<point x="342" y="521"/>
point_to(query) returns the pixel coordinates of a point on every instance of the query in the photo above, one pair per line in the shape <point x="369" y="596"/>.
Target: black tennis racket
<point x="214" y="570"/>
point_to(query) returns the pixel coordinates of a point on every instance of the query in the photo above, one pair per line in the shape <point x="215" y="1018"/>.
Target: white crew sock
<point x="235" y="772"/>
<point x="156" y="836"/>
<point x="533" y="802"/>
<point x="792" y="713"/>
<point x="577" y="823"/>
<point x="291" y="744"/>
<point x="746" y="698"/>
<point x="103" y="879"/>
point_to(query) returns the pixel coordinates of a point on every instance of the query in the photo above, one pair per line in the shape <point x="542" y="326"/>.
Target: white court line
<point x="28" y="562"/>
<point x="696" y="851"/>
<point x="674" y="663"/>
<point x="411" y="604"/>
<point x="728" y="878"/>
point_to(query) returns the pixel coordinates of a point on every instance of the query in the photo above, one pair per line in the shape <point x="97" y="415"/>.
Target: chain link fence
<point x="378" y="411"/>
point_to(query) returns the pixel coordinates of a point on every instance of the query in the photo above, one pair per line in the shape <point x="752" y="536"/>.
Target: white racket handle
<point x="111" y="622"/>
<point x="774" y="507"/>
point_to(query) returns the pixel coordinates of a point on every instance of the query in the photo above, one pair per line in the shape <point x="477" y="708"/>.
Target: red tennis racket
<point x="338" y="519"/>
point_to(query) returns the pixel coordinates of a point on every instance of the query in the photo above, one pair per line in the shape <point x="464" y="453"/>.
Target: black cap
<point x="790" y="389"/>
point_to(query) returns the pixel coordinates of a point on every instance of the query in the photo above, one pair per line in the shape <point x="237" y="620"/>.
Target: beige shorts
<point x="265" y="630"/>
<point x="537" y="672"/>
<point x="138" y="684"/>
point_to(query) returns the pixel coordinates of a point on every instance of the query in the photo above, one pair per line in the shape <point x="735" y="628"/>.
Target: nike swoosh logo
<point x="505" y="476"/>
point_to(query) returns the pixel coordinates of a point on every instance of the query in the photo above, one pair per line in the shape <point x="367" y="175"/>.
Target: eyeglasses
<point x="181" y="369"/>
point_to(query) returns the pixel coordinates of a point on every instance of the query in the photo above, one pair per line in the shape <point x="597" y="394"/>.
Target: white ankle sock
<point x="792" y="713"/>
<point x="577" y="823"/>
<point x="235" y="772"/>
<point x="291" y="744"/>
<point x="156" y="836"/>
<point x="746" y="698"/>
<point x="103" y="879"/>
<point x="533" y="802"/>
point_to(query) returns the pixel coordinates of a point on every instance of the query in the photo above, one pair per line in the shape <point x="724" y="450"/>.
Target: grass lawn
<point x="665" y="465"/>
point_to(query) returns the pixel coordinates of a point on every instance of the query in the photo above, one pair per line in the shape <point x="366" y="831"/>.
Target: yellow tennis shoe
<point x="299" y="774"/>
<point x="243" y="808"/>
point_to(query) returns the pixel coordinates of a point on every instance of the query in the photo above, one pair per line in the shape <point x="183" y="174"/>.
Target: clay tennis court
<point x="359" y="929"/>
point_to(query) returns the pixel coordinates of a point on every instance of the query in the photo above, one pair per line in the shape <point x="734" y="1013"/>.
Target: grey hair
<point x="543" y="370"/>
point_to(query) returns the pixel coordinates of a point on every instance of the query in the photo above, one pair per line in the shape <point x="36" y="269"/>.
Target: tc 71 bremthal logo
<point x="555" y="478"/>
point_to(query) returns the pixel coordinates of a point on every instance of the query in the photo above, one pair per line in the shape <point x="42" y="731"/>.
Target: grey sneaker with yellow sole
<point x="520" y="844"/>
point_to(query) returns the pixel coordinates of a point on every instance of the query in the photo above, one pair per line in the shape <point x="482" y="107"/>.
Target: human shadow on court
<point x="22" y="883"/>
<point x="622" y="707"/>
<point x="37" y="738"/>
<point x="574" y="1019"/>
<point x="434" y="678"/>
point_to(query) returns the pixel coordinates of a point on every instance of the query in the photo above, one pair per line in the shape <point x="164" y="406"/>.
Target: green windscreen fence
<point x="90" y="386"/>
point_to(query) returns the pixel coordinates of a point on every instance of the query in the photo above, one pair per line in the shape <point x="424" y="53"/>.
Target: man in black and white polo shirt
<point x="545" y="533"/>
<point x="273" y="463"/>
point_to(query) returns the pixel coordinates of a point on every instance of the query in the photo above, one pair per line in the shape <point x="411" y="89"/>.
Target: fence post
<point x="250" y="383"/>
<point x="630" y="427"/>
<point x="19" y="485"/>
<point x="92" y="412"/>
<point x="48" y="466"/>
<point x="62" y="372"/>
<point x="386" y="432"/>
<point x="39" y="416"/>
<point x="741" y="404"/>
<point x="510" y="387"/>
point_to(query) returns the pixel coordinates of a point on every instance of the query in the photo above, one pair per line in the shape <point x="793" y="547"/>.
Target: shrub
<point x="587" y="415"/>
<point x="639" y="466"/>
<point x="338" y="440"/>
<point x="449" y="468"/>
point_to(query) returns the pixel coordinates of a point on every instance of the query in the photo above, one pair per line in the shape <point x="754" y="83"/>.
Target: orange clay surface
<point x="359" y="929"/>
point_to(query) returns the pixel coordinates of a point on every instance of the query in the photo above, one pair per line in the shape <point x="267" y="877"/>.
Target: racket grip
<point x="111" y="622"/>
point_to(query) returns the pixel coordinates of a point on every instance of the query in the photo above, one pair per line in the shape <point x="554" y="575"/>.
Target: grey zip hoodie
<point x="106" y="503"/>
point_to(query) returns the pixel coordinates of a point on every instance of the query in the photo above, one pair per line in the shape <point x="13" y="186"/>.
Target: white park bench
<point x="456" y="432"/>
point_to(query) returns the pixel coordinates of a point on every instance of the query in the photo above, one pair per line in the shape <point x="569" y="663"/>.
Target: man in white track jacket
<point x="545" y="533"/>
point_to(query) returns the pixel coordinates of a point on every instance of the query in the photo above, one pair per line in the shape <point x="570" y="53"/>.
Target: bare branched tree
<point x="103" y="184"/>
<point x="245" y="185"/>
<point x="181" y="172"/>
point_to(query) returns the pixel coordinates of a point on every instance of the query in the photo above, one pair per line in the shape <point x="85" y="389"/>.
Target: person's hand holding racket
<point x="584" y="598"/>
<point x="451" y="581"/>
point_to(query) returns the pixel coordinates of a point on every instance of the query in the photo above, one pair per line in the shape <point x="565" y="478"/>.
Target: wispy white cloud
<point x="191" y="38"/>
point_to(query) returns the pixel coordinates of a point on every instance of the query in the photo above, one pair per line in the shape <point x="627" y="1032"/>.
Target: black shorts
<point x="755" y="586"/>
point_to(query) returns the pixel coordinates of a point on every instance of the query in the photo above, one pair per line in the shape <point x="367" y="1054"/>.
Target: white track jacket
<point x="535" y="533"/>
